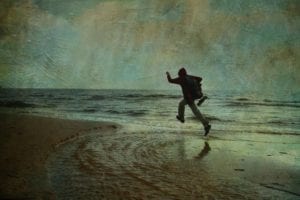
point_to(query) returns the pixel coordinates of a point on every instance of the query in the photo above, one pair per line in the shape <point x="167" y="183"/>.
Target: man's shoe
<point x="180" y="119"/>
<point x="207" y="129"/>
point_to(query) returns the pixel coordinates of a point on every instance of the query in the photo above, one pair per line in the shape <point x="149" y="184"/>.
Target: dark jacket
<point x="186" y="89"/>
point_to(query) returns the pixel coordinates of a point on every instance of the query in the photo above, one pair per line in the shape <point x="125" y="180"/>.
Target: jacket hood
<point x="182" y="72"/>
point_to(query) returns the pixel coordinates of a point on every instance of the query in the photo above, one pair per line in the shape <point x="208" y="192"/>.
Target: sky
<point x="130" y="44"/>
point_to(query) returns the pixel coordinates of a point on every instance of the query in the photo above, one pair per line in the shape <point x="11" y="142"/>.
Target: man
<point x="187" y="83"/>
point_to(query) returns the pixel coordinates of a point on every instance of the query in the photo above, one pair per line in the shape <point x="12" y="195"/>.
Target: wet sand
<point x="110" y="162"/>
<point x="175" y="165"/>
<point x="25" y="144"/>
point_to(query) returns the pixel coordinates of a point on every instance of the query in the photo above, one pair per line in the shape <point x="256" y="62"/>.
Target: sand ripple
<point x="141" y="166"/>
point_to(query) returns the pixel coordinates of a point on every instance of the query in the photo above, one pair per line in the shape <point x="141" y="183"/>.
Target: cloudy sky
<point x="130" y="44"/>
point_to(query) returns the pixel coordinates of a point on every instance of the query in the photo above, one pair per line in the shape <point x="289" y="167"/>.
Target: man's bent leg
<point x="181" y="108"/>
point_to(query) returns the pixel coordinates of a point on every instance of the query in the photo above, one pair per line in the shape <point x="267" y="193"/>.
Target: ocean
<point x="252" y="151"/>
<point x="228" y="112"/>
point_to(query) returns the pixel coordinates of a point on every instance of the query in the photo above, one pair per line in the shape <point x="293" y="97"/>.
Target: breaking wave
<point x="17" y="104"/>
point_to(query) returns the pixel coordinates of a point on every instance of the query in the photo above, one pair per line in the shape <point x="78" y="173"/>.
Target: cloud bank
<point x="233" y="45"/>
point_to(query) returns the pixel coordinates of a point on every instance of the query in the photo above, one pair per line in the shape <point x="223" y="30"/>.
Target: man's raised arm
<point x="171" y="80"/>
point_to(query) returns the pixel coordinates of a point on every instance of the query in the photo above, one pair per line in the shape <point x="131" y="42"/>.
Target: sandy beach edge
<point x="26" y="142"/>
<point x="267" y="161"/>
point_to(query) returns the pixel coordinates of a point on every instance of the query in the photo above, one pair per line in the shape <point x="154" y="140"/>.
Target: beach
<point x="112" y="144"/>
<point x="47" y="158"/>
<point x="92" y="95"/>
<point x="26" y="142"/>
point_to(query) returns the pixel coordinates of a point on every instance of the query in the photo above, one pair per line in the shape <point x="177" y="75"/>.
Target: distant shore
<point x="25" y="144"/>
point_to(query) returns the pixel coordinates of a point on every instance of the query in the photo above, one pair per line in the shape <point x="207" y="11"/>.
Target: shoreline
<point x="25" y="145"/>
<point x="27" y="142"/>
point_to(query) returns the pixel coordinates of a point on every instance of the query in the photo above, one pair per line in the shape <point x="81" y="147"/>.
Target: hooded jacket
<point x="182" y="80"/>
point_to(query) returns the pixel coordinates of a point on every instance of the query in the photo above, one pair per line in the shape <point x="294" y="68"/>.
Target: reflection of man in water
<point x="204" y="151"/>
<point x="186" y="82"/>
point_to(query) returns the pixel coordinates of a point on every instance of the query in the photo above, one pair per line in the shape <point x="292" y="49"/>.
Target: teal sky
<point x="130" y="44"/>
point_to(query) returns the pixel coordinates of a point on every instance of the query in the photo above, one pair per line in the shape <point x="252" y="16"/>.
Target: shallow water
<point x="228" y="111"/>
<point x="156" y="165"/>
<point x="155" y="157"/>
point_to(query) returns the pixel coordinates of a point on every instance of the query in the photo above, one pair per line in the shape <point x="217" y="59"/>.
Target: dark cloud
<point x="87" y="44"/>
<point x="66" y="8"/>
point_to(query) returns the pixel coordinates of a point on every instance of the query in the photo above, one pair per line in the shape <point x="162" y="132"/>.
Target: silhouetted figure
<point x="191" y="89"/>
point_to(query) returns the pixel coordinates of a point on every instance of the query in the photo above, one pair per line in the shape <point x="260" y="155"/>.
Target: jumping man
<point x="188" y="84"/>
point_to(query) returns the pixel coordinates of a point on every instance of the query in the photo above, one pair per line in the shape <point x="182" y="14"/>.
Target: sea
<point x="252" y="151"/>
<point x="227" y="111"/>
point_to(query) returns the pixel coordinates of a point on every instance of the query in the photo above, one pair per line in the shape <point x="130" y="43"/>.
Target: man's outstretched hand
<point x="168" y="74"/>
